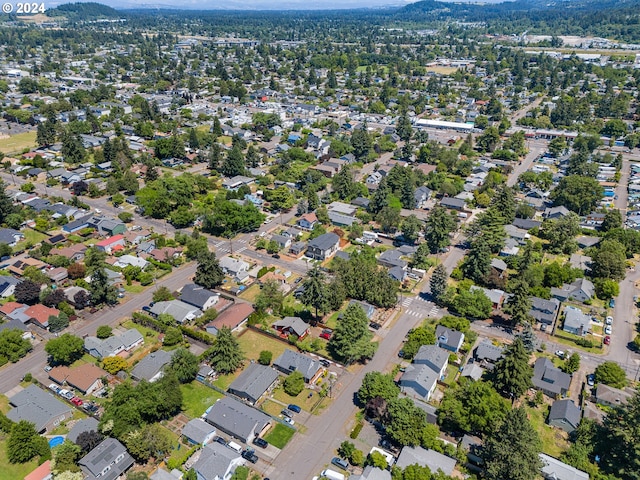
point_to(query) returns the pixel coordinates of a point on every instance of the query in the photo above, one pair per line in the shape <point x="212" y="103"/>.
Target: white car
<point x="290" y="421"/>
<point x="607" y="330"/>
<point x="560" y="353"/>
<point x="609" y="320"/>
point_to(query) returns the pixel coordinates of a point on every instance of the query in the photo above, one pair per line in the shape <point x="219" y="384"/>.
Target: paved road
<point x="536" y="148"/>
<point x="11" y="374"/>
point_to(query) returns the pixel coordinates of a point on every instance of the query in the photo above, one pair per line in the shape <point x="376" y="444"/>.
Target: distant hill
<point x="84" y="11"/>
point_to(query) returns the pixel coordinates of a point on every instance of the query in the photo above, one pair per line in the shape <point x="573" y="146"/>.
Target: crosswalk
<point x="414" y="313"/>
<point x="433" y="312"/>
<point x="406" y="301"/>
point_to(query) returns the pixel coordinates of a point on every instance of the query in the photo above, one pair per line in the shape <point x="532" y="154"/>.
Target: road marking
<point x="241" y="249"/>
<point x="414" y="313"/>
<point x="406" y="302"/>
<point x="433" y="312"/>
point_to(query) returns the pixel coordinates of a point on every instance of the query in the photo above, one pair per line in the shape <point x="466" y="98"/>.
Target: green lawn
<point x="18" y="142"/>
<point x="252" y="343"/>
<point x="11" y="471"/>
<point x="223" y="381"/>
<point x="4" y="404"/>
<point x="251" y="293"/>
<point x="302" y="400"/>
<point x="280" y="435"/>
<point x="133" y="288"/>
<point x="554" y="440"/>
<point x="150" y="335"/>
<point x="31" y="237"/>
<point x="196" y="398"/>
<point x="271" y="407"/>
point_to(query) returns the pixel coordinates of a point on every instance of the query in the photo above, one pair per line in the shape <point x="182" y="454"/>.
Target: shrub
<point x="265" y="357"/>
<point x="356" y="430"/>
<point x="294" y="384"/>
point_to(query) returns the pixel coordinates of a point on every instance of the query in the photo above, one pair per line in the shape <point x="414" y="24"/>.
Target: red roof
<point x="309" y="217"/>
<point x="108" y="241"/>
<point x="41" y="314"/>
<point x="40" y="473"/>
<point x="9" y="307"/>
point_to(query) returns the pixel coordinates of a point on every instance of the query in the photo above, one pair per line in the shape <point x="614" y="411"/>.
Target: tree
<point x="489" y="139"/>
<point x="612" y="219"/>
<point x="270" y="297"/>
<point x="87" y="441"/>
<point x="410" y="228"/>
<point x="343" y="183"/>
<point x="46" y="133"/>
<point x="76" y="270"/>
<point x="528" y="338"/>
<point x="101" y="290"/>
<point x="208" y="272"/>
<point x="81" y="299"/>
<point x="315" y="291"/>
<point x="504" y="203"/>
<point x="404" y="128"/>
<point x="512" y="373"/>
<point x="609" y="261"/>
<point x="389" y="218"/>
<point x="571" y="364"/>
<point x="606" y="289"/>
<point x="472" y="303"/>
<point x="376" y="459"/>
<point x="184" y="364"/>
<point x="12" y="346"/>
<point x="66" y="456"/>
<point x="612" y="374"/>
<point x="519" y="304"/>
<point x="477" y="265"/>
<point x="27" y="292"/>
<point x="59" y="323"/>
<point x="557" y="146"/>
<point x="162" y="294"/>
<point x="377" y="385"/>
<point x="473" y="407"/>
<point x="561" y="233"/>
<point x="405" y="422"/>
<point x="351" y="339"/>
<point x="512" y="450"/>
<point x="361" y="143"/>
<point x="234" y="163"/>
<point x="114" y="364"/>
<point x="65" y="349"/>
<point x="104" y="331"/>
<point x="24" y="443"/>
<point x="225" y="354"/>
<point x="438" y="282"/>
<point x="619" y="440"/>
<point x="579" y="194"/>
<point x="265" y="357"/>
<point x="424" y="335"/>
<point x="438" y="226"/>
<point x="293" y="384"/>
<point x="173" y="335"/>
<point x="151" y="440"/>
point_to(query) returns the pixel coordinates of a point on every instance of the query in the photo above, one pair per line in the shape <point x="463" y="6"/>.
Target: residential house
<point x="452" y="203"/>
<point x="290" y="361"/>
<point x="496" y="296"/>
<point x="612" y="397"/>
<point x="108" y="461"/>
<point x="39" y="314"/>
<point x="425" y="458"/>
<point x="217" y="462"/>
<point x="182" y="312"/>
<point x="307" y="221"/>
<point x="42" y="472"/>
<point x="109" y="226"/>
<point x="297" y="249"/>
<point x="292" y="326"/>
<point x="164" y="254"/>
<point x="544" y="311"/>
<point x="472" y="371"/>
<point x="554" y="213"/>
<point x="57" y="275"/>
<point x="586" y="242"/>
<point x="580" y="290"/>
<point x="372" y="473"/>
<point x="8" y="286"/>
<point x="237" y="419"/>
<point x="236" y="182"/>
<point x="583" y="262"/>
<point x="87" y="378"/>
<point x="17" y="267"/>
<point x="126" y="260"/>
<point x="135" y="237"/>
<point x="449" y="339"/>
<point x="151" y="367"/>
<point x="78" y="224"/>
<point x="254" y="382"/>
<point x="39" y="407"/>
<point x="419" y="381"/>
<point x="232" y="317"/>
<point x="575" y="321"/>
<point x="433" y="356"/>
<point x="487" y="352"/>
<point x="526" y="223"/>
<point x="75" y="253"/>
<point x="368" y="309"/>
<point x="10" y="236"/>
<point x="564" y="414"/>
<point x="323" y="247"/>
<point x="421" y="196"/>
<point x="233" y="266"/>
<point x="554" y="469"/>
<point x="551" y="380"/>
<point x="198" y="296"/>
<point x="283" y="241"/>
<point x="198" y="432"/>
<point x="499" y="266"/>
<point x="83" y="425"/>
<point x="392" y="258"/>
<point x="111" y="244"/>
<point x="472" y="445"/>
<point x="518" y="234"/>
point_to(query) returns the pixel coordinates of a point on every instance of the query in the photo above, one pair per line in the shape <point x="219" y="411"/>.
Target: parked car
<point x="591" y="379"/>
<point x="607" y="340"/>
<point x="607" y="330"/>
<point x="374" y="325"/>
<point x="290" y="421"/>
<point x="221" y="441"/>
<point x="48" y="368"/>
<point x="609" y="320"/>
<point x="294" y="408"/>
<point x="54" y="388"/>
<point x="76" y="401"/>
<point x="401" y="354"/>
<point x="339" y="462"/>
<point x="260" y="442"/>
<point x="612" y="303"/>
<point x="560" y="353"/>
<point x="146" y="308"/>
<point x="326" y="333"/>
<point x="249" y="455"/>
<point x="325" y="363"/>
<point x="287" y="413"/>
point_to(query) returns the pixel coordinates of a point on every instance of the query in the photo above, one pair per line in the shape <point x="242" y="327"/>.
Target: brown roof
<point x="59" y="374"/>
<point x="425" y="168"/>
<point x="233" y="316"/>
<point x="40" y="473"/>
<point x="164" y="253"/>
<point x="9" y="307"/>
<point x="18" y="266"/>
<point x="41" y="314"/>
<point x="84" y="376"/>
<point x="69" y="252"/>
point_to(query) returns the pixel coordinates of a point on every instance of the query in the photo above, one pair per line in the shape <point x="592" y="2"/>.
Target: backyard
<point x="554" y="440"/>
<point x="252" y="343"/>
<point x="11" y="471"/>
<point x="279" y="435"/>
<point x="18" y="142"/>
<point x="196" y="398"/>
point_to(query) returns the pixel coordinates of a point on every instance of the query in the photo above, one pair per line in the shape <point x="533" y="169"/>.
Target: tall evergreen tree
<point x="315" y="291"/>
<point x="512" y="373"/>
<point x="519" y="304"/>
<point x="504" y="202"/>
<point x="438" y="282"/>
<point x="477" y="265"/>
<point x="234" y="163"/>
<point x="225" y="354"/>
<point x="208" y="272"/>
<point x="351" y="340"/>
<point x="437" y="228"/>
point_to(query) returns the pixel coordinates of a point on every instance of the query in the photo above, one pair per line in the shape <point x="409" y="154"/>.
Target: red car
<point x="326" y="333"/>
<point x="76" y="401"/>
<point x="607" y="340"/>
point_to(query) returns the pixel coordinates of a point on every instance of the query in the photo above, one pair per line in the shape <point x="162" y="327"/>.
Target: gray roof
<point x="610" y="395"/>
<point x="487" y="351"/>
<point x="325" y="241"/>
<point x="178" y="309"/>
<point x="196" y="295"/>
<point x="372" y="473"/>
<point x="449" y="337"/>
<point x="493" y="294"/>
<point x="13" y="324"/>
<point x="427" y="458"/>
<point x="549" y="378"/>
<point x="254" y="381"/>
<point x="198" y="430"/>
<point x="103" y="456"/>
<point x="291" y="361"/>
<point x="112" y="345"/>
<point x="151" y="365"/>
<point x="526" y="223"/>
<point x="36" y="406"/>
<point x="472" y="370"/>
<point x="433" y="356"/>
<point x="296" y="324"/>
<point x="8" y="235"/>
<point x="554" y="469"/>
<point x="237" y="418"/>
<point x="421" y="376"/>
<point x="576" y="320"/>
<point x="162" y="474"/>
<point x="499" y="264"/>
<point x="392" y="257"/>
<point x="544" y="311"/>
<point x="565" y="410"/>
<point x="83" y="425"/>
<point x="214" y="462"/>
<point x="449" y="202"/>
<point x="340" y="219"/>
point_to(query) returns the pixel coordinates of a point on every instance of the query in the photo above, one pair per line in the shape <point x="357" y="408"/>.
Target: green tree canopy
<point x="225" y="354"/>
<point x="512" y="373"/>
<point x="351" y="340"/>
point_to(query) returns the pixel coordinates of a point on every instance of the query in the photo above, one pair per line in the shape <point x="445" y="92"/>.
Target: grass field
<point x="302" y="400"/>
<point x="554" y="440"/>
<point x="13" y="471"/>
<point x="133" y="288"/>
<point x="251" y="293"/>
<point x="4" y="404"/>
<point x="196" y="398"/>
<point x="31" y="237"/>
<point x="279" y="436"/>
<point x="442" y="70"/>
<point x="18" y="142"/>
<point x="252" y="343"/>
